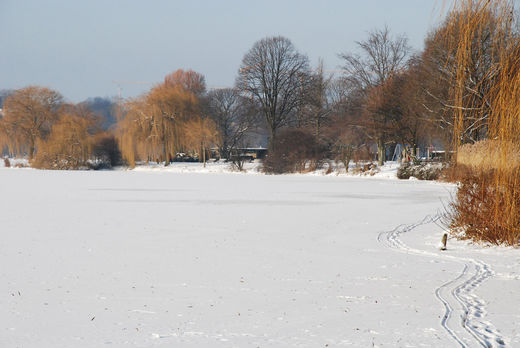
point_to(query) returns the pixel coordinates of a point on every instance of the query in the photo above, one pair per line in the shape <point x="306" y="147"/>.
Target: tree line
<point x="387" y="94"/>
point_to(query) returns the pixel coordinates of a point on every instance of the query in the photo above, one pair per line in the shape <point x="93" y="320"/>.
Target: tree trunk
<point x="204" y="154"/>
<point x="224" y="153"/>
<point x="31" y="149"/>
<point x="347" y="157"/>
<point x="381" y="153"/>
<point x="166" y="159"/>
<point x="270" y="147"/>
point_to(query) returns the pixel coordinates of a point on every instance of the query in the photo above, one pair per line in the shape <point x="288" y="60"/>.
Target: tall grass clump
<point x="487" y="155"/>
<point x="487" y="204"/>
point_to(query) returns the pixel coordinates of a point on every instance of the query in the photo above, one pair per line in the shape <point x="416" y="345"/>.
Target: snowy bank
<point x="387" y="171"/>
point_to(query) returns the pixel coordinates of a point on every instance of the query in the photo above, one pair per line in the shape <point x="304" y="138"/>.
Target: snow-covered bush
<point x="423" y="171"/>
<point x="365" y="168"/>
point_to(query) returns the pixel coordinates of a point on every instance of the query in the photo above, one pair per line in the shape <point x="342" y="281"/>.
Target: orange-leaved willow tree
<point x="70" y="142"/>
<point x="154" y="125"/>
<point x="487" y="205"/>
<point x="200" y="133"/>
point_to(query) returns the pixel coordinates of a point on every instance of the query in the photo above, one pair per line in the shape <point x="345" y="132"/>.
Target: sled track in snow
<point x="457" y="295"/>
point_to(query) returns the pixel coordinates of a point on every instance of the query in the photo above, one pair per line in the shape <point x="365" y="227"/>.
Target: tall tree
<point x="458" y="93"/>
<point x="382" y="56"/>
<point x="413" y="125"/>
<point x="484" y="46"/>
<point x="234" y="117"/>
<point x="318" y="103"/>
<point x="152" y="126"/>
<point x="274" y="74"/>
<point x="344" y="131"/>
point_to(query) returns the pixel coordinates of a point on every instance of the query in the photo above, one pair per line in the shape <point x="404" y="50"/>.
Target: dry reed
<point x="487" y="155"/>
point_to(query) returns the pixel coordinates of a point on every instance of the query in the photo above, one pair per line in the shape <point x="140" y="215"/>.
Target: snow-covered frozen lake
<point x="146" y="258"/>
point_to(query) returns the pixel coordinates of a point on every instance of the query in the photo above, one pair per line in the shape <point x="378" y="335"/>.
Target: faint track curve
<point x="462" y="290"/>
<point x="448" y="309"/>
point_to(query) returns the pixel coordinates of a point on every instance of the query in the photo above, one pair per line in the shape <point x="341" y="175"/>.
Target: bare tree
<point x="411" y="124"/>
<point x="319" y="99"/>
<point x="233" y="116"/>
<point x="382" y="57"/>
<point x="274" y="74"/>
<point x="344" y="132"/>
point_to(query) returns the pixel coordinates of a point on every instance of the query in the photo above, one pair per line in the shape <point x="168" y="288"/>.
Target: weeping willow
<point x="153" y="127"/>
<point x="482" y="34"/>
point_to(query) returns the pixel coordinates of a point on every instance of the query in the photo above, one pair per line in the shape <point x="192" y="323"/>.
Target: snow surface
<point x="156" y="257"/>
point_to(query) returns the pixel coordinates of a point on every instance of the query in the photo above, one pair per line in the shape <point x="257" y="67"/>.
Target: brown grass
<point x="483" y="211"/>
<point x="488" y="155"/>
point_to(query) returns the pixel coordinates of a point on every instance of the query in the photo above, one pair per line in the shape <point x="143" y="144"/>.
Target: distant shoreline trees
<point x="275" y="75"/>
<point x="52" y="134"/>
<point x="29" y="114"/>
<point x="383" y="58"/>
<point x="384" y="96"/>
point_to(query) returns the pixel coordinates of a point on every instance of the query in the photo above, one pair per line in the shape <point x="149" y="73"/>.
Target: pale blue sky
<point x="80" y="47"/>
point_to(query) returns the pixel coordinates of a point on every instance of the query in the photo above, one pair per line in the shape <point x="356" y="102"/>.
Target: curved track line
<point x="448" y="309"/>
<point x="462" y="290"/>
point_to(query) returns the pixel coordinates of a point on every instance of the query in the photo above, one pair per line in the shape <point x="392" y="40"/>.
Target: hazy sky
<point x="80" y="47"/>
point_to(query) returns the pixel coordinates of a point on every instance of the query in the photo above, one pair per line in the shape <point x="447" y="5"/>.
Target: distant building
<point x="253" y="152"/>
